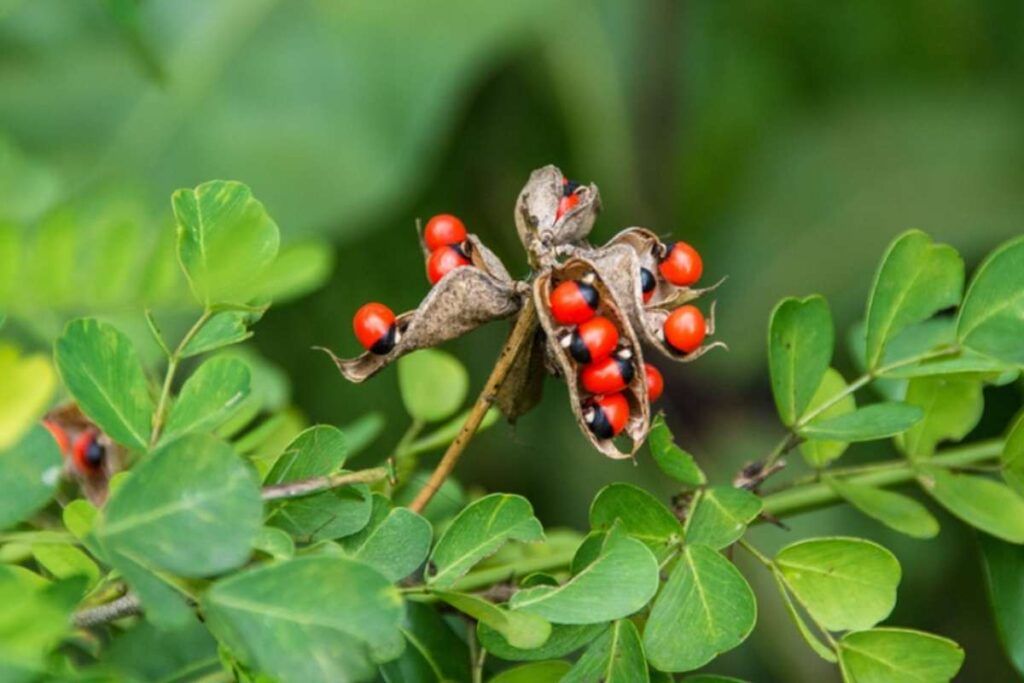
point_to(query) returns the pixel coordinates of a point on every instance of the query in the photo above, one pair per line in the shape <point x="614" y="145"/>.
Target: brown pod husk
<point x="537" y="207"/>
<point x="654" y="320"/>
<point x="479" y="255"/>
<point x="524" y="385"/>
<point x="461" y="301"/>
<point x="636" y="393"/>
<point x="95" y="486"/>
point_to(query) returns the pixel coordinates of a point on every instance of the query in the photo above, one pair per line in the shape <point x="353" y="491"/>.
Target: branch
<point x="125" y="606"/>
<point x="304" y="487"/>
<point x="521" y="334"/>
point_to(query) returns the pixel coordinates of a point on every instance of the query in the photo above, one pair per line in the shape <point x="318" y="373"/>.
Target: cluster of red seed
<point x="685" y="328"/>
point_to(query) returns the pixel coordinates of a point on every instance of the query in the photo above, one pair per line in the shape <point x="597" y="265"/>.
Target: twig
<point x="172" y="367"/>
<point x="304" y="487"/>
<point x="125" y="606"/>
<point x="521" y="334"/>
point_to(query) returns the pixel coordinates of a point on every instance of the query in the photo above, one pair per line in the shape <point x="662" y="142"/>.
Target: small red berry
<point x="606" y="416"/>
<point x="592" y="341"/>
<point x="648" y="283"/>
<point x="610" y="375"/>
<point x="59" y="435"/>
<point x="374" y="325"/>
<point x="681" y="265"/>
<point x="573" y="302"/>
<point x="655" y="382"/>
<point x="569" y="198"/>
<point x="444" y="260"/>
<point x="685" y="329"/>
<point x="88" y="453"/>
<point x="443" y="230"/>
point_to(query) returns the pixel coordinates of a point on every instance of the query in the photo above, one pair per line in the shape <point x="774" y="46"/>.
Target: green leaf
<point x="809" y="636"/>
<point x="34" y="619"/>
<point x="819" y="453"/>
<point x="705" y="608"/>
<point x="642" y="515"/>
<point x="721" y="516"/>
<point x="222" y="329"/>
<point x="395" y="541"/>
<point x="981" y="502"/>
<point x="992" y="316"/>
<point x="64" y="561"/>
<point x="29" y="472"/>
<point x="433" y="384"/>
<point x="28" y="383"/>
<point x="226" y="241"/>
<point x="318" y="451"/>
<point x="319" y="618"/>
<point x="845" y="583"/>
<point x="79" y="517"/>
<point x="800" y="343"/>
<point x="1012" y="457"/>
<point x="433" y="651"/>
<point x="916" y="279"/>
<point x="274" y="542"/>
<point x="711" y="678"/>
<point x="209" y="397"/>
<point x="952" y="407"/>
<point x="564" y="640"/>
<point x="191" y="508"/>
<point x="876" y="421"/>
<point x="146" y="653"/>
<point x="536" y="672"/>
<point x="521" y="629"/>
<point x="673" y="460"/>
<point x="896" y="511"/>
<point x="163" y="604"/>
<point x="100" y="368"/>
<point x="298" y="270"/>
<point x="964" y="363"/>
<point x="619" y="582"/>
<point x="893" y="655"/>
<point x="615" y="657"/>
<point x="1004" y="568"/>
<point x="478" y="532"/>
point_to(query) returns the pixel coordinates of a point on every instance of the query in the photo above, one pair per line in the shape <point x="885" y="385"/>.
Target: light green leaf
<point x="964" y="363"/>
<point x="433" y="651"/>
<point x="619" y="582"/>
<point x="29" y="472"/>
<point x="809" y="636"/>
<point x="478" y="532"/>
<point x="79" y="517"/>
<point x="395" y="541"/>
<point x="1012" y="457"/>
<point x="433" y="384"/>
<point x="318" y="451"/>
<point x="992" y="316"/>
<point x="876" y="421"/>
<point x="896" y="511"/>
<point x="222" y="329"/>
<point x="313" y="619"/>
<point x="952" y="407"/>
<point x="1004" y="567"/>
<point x="711" y="678"/>
<point x="64" y="561"/>
<point x="209" y="397"/>
<point x="617" y="656"/>
<point x="101" y="370"/>
<point x="721" y="516"/>
<point x="800" y="343"/>
<point x="28" y="383"/>
<point x="845" y="583"/>
<point x="564" y="640"/>
<point x="147" y="653"/>
<point x="298" y="270"/>
<point x="191" y="508"/>
<point x="521" y="629"/>
<point x="35" y="617"/>
<point x="163" y="604"/>
<point x="226" y="241"/>
<point x="274" y="542"/>
<point x="705" y="608"/>
<point x="446" y="433"/>
<point x="535" y="672"/>
<point x="894" y="655"/>
<point x="816" y="452"/>
<point x="673" y="460"/>
<point x="916" y="279"/>
<point x="642" y="515"/>
<point x="983" y="503"/>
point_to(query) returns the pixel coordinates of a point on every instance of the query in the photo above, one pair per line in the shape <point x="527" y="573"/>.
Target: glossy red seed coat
<point x="568" y="304"/>
<point x="599" y="336"/>
<point x="616" y="411"/>
<point x="603" y="376"/>
<point x="655" y="382"/>
<point x="685" y="329"/>
<point x="566" y="204"/>
<point x="443" y="261"/>
<point x="371" y="323"/>
<point x="443" y="230"/>
<point x="682" y="265"/>
<point x="79" y="453"/>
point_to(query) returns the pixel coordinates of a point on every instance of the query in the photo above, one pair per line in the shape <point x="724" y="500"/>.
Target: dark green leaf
<point x="395" y="541"/>
<point x="617" y="656"/>
<point x="896" y="511"/>
<point x="983" y="503"/>
<point x="28" y="384"/>
<point x="433" y="651"/>
<point x="642" y="515"/>
<point x="721" y="516"/>
<point x="101" y="370"/>
<point x="223" y="329"/>
<point x="673" y="460"/>
<point x="876" y="421"/>
<point x="800" y="343"/>
<point x="163" y="604"/>
<point x="952" y="407"/>
<point x="150" y="654"/>
<point x="521" y="629"/>
<point x="29" y="472"/>
<point x="535" y="672"/>
<point x="433" y="384"/>
<point x="992" y="316"/>
<point x="1012" y="458"/>
<point x="564" y="640"/>
<point x="209" y="397"/>
<point x="893" y="655"/>
<point x="1004" y="575"/>
<point x="816" y="452"/>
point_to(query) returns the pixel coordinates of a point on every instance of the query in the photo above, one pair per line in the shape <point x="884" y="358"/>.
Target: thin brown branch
<point x="127" y="605"/>
<point x="521" y="334"/>
<point x="304" y="487"/>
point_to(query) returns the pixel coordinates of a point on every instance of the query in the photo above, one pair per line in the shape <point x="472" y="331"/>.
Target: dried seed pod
<point x="479" y="255"/>
<point x="537" y="217"/>
<point x="463" y="300"/>
<point x="67" y="420"/>
<point x="654" y="322"/>
<point x="524" y="386"/>
<point x="609" y="307"/>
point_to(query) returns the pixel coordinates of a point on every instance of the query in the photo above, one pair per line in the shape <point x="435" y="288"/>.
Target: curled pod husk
<point x="636" y="393"/>
<point x="537" y="208"/>
<point x="619" y="266"/>
<point x="461" y="301"/>
<point x="650" y="250"/>
<point x="524" y="385"/>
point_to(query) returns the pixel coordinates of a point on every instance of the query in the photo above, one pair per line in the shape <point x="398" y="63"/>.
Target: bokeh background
<point x="789" y="141"/>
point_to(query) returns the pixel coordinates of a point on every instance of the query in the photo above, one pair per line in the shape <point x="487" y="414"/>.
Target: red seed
<point x="374" y="325"/>
<point x="682" y="265"/>
<point x="685" y="329"/>
<point x="443" y="261"/>
<point x="655" y="382"/>
<point x="573" y="302"/>
<point x="606" y="416"/>
<point x="443" y="230"/>
<point x="609" y="375"/>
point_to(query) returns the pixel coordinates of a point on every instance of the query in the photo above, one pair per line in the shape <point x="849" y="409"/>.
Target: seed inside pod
<point x="374" y="325"/>
<point x="610" y="375"/>
<point x="574" y="301"/>
<point x="591" y="341"/>
<point x="655" y="382"/>
<point x="606" y="416"/>
<point x="685" y="329"/>
<point x="446" y="259"/>
<point x="647" y="284"/>
<point x="569" y="199"/>
<point x="682" y="265"/>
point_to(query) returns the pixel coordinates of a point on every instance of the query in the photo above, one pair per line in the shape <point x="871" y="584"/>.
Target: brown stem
<point x="294" y="489"/>
<point x="521" y="334"/>
<point x="125" y="606"/>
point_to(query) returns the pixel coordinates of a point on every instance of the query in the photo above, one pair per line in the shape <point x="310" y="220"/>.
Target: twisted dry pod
<point x="553" y="218"/>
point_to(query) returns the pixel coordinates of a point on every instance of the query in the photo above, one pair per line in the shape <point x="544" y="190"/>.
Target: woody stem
<point x="521" y="334"/>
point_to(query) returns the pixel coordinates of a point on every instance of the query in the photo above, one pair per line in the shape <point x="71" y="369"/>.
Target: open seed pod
<point x="537" y="208"/>
<point x="479" y="255"/>
<point x="524" y="386"/>
<point x="636" y="392"/>
<point x="654" y="321"/>
<point x="650" y="250"/>
<point x="73" y="423"/>
<point x="461" y="301"/>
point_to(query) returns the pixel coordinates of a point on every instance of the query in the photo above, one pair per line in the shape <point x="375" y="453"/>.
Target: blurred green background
<point x="789" y="141"/>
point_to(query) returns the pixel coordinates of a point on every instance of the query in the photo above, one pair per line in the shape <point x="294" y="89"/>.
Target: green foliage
<point x="673" y="460"/>
<point x="983" y="503"/>
<point x="892" y="655"/>
<point x="519" y="629"/>
<point x="800" y="341"/>
<point x="617" y="656"/>
<point x="819" y="452"/>
<point x="210" y="397"/>
<point x="395" y="541"/>
<point x="640" y="515"/>
<point x="29" y="471"/>
<point x="869" y="423"/>
<point x="1004" y="566"/>
<point x="537" y="672"/>
<point x="564" y="640"/>
<point x="952" y="406"/>
<point x="721" y="516"/>
<point x="26" y="390"/>
<point x="991" y="319"/>
<point x="433" y="384"/>
<point x="894" y="510"/>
